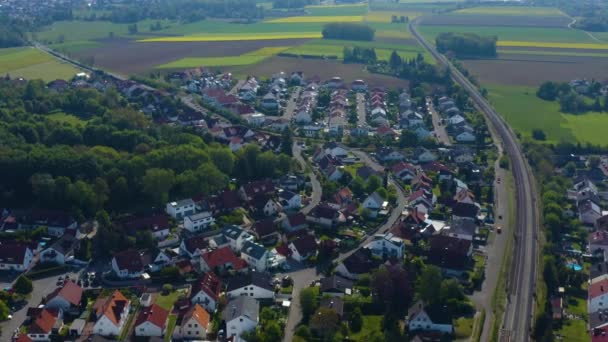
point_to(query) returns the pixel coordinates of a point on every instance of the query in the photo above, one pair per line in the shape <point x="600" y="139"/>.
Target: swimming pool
<point x="575" y="266"/>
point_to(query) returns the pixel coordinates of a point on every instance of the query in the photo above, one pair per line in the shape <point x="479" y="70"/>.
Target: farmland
<point x="525" y="112"/>
<point x="30" y="63"/>
<point x="317" y="19"/>
<point x="248" y="58"/>
<point x="226" y="37"/>
<point x="336" y="10"/>
<point x="513" y="10"/>
<point x="519" y="34"/>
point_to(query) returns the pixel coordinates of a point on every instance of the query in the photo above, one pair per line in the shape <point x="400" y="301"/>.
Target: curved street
<point x="520" y="311"/>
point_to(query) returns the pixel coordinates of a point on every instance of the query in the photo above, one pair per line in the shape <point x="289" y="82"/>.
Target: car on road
<point x="499" y="229"/>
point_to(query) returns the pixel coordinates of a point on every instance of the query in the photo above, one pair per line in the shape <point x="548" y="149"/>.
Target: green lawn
<point x="371" y="323"/>
<point x="212" y="26"/>
<point x="166" y="302"/>
<point x="533" y="34"/>
<point x="574" y="331"/>
<point x="170" y="327"/>
<point x="463" y="327"/>
<point x="192" y="62"/>
<point x="525" y="112"/>
<point x="31" y="63"/>
<point x="577" y="306"/>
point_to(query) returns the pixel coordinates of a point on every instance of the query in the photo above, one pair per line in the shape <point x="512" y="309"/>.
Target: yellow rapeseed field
<point x="318" y="19"/>
<point x="590" y="46"/>
<point x="235" y="36"/>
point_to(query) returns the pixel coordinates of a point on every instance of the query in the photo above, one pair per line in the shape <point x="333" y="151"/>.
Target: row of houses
<point x="457" y="126"/>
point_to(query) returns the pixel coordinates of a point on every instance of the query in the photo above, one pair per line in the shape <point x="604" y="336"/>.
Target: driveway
<point x="440" y="133"/>
<point x="361" y="120"/>
<point x="316" y="185"/>
<point x="301" y="279"/>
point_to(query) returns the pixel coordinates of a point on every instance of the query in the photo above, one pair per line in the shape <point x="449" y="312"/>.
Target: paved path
<point x="301" y="279"/>
<point x="316" y="185"/>
<point x="361" y="112"/>
<point x="440" y="133"/>
<point x="292" y="104"/>
<point x="236" y="87"/>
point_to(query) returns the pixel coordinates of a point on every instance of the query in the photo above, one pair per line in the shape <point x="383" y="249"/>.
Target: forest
<point x="348" y="31"/>
<point x="466" y="44"/>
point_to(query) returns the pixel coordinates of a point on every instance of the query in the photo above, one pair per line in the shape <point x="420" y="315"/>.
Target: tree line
<point x="359" y="55"/>
<point x="348" y="31"/>
<point x="466" y="44"/>
<point x="570" y="100"/>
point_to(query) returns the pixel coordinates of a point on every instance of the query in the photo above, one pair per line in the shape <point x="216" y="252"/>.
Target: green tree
<point x="157" y="183"/>
<point x="356" y="320"/>
<point x="308" y="302"/>
<point x="4" y="310"/>
<point x="325" y="322"/>
<point x="395" y="61"/>
<point x="373" y="183"/>
<point x="428" y="285"/>
<point x="23" y="285"/>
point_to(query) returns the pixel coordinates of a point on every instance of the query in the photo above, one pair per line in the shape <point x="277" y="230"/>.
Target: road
<point x="314" y="181"/>
<point x="521" y="283"/>
<point x="361" y="112"/>
<point x="236" y="87"/>
<point x="301" y="279"/>
<point x="292" y="104"/>
<point x="440" y="132"/>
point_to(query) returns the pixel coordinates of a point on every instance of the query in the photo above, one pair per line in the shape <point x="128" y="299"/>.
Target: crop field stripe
<point x="267" y="51"/>
<point x="387" y="16"/>
<point x="552" y="53"/>
<point x="192" y="62"/>
<point x="590" y="46"/>
<point x="515" y="10"/>
<point x="235" y="37"/>
<point x="317" y="19"/>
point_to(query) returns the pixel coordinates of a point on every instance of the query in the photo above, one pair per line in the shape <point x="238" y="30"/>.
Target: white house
<point x="162" y="259"/>
<point x="128" y="264"/>
<point x="255" y="285"/>
<point x="151" y="321"/>
<point x="303" y="248"/>
<point x="198" y="222"/>
<point x="290" y="200"/>
<point x="112" y="314"/>
<point x="15" y="256"/>
<point x="180" y="208"/>
<point x="374" y="202"/>
<point x="206" y="291"/>
<point x="428" y="319"/>
<point x="193" y="246"/>
<point x="195" y="323"/>
<point x="59" y="251"/>
<point x="386" y="245"/>
<point x="236" y="237"/>
<point x="597" y="294"/>
<point x="589" y="212"/>
<point x="241" y="314"/>
<point x="255" y="255"/>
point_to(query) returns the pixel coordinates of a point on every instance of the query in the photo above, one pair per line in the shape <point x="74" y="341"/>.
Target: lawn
<point x="463" y="327"/>
<point x="525" y="112"/>
<point x="76" y="30"/>
<point x="245" y="59"/>
<point x="577" y="306"/>
<point x="513" y="10"/>
<point x="166" y="302"/>
<point x="170" y="327"/>
<point x="319" y="49"/>
<point x="31" y="63"/>
<point x="516" y="34"/>
<point x="573" y="331"/>
<point x="317" y="19"/>
<point x="371" y="323"/>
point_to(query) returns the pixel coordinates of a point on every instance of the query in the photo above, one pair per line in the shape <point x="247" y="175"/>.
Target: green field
<point x="526" y="112"/>
<point x="31" y="63"/>
<point x="328" y="47"/>
<point x="193" y="62"/>
<point x="72" y="31"/>
<point x="371" y="323"/>
<point x="317" y="19"/>
<point x="213" y="26"/>
<point x="564" y="52"/>
<point x="527" y="34"/>
<point x="513" y="10"/>
<point x="337" y="10"/>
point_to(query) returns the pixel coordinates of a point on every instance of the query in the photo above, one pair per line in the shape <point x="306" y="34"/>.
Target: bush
<point x="504" y="162"/>
<point x="167" y="288"/>
<point x="538" y="134"/>
<point x="23" y="285"/>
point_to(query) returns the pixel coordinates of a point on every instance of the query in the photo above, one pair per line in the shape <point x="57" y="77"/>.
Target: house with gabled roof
<point x="597" y="296"/>
<point x="256" y="256"/>
<point x="324" y="215"/>
<point x="111" y="313"/>
<point x="598" y="242"/>
<point x="294" y="222"/>
<point x="221" y="260"/>
<point x="248" y="191"/>
<point x="236" y="236"/>
<point x="421" y="317"/>
<point x="128" y="264"/>
<point x="388" y="154"/>
<point x="335" y="286"/>
<point x="15" y="256"/>
<point x="240" y="315"/>
<point x="386" y="246"/>
<point x="290" y="200"/>
<point x="303" y="247"/>
<point x="67" y="298"/>
<point x="61" y="250"/>
<point x="374" y="203"/>
<point x="151" y="321"/>
<point x="195" y="323"/>
<point x="254" y="284"/>
<point x="589" y="212"/>
<point x="158" y="225"/>
<point x="358" y="263"/>
<point x="206" y="291"/>
<point x="450" y="253"/>
<point x="265" y="230"/>
<point x="404" y="171"/>
<point x="422" y="155"/>
<point x="193" y="246"/>
<point x="44" y="323"/>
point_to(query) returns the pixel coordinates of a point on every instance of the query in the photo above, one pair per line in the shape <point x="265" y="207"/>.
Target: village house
<point x="66" y="298"/>
<point x="386" y="246"/>
<point x="249" y="191"/>
<point x="597" y="296"/>
<point x="15" y="256"/>
<point x="254" y="284"/>
<point x="462" y="229"/>
<point x="264" y="205"/>
<point x="195" y="323"/>
<point x="240" y="315"/>
<point x="303" y="248"/>
<point x="356" y="264"/>
<point x="388" y="154"/>
<point x="193" y="246"/>
<point x="151" y="321"/>
<point x="158" y="225"/>
<point x="404" y="171"/>
<point x="206" y="291"/>
<point x="324" y="215"/>
<point x="198" y="222"/>
<point x="236" y="237"/>
<point x="425" y="318"/>
<point x="57" y="222"/>
<point x="335" y="286"/>
<point x="598" y="242"/>
<point x="422" y="155"/>
<point x="128" y="264"/>
<point x="256" y="256"/>
<point x="294" y="222"/>
<point x="162" y="259"/>
<point x="221" y="260"/>
<point x="452" y="254"/>
<point x="111" y="313"/>
<point x="265" y="230"/>
<point x="181" y="208"/>
<point x="61" y="250"/>
<point x="589" y="212"/>
<point x="374" y="203"/>
<point x="44" y="323"/>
